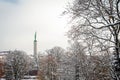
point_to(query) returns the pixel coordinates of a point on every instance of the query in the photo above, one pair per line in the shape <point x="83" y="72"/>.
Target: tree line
<point x="59" y="64"/>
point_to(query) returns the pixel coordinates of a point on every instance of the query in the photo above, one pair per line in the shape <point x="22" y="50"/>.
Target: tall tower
<point x="35" y="53"/>
<point x="35" y="46"/>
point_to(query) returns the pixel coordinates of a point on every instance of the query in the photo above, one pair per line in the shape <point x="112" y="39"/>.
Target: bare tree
<point x="98" y="20"/>
<point x="57" y="52"/>
<point x="88" y="67"/>
<point x="16" y="65"/>
<point x="79" y="61"/>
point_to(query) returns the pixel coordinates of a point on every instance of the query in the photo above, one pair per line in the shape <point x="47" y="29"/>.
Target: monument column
<point x="35" y="45"/>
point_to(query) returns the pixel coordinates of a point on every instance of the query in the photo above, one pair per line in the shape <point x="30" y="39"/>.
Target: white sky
<point x="19" y="19"/>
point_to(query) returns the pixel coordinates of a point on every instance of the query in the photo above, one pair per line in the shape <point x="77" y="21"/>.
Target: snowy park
<point x="59" y="39"/>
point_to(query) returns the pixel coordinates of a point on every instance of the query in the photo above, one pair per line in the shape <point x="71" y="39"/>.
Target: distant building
<point x="1" y="66"/>
<point x="2" y="61"/>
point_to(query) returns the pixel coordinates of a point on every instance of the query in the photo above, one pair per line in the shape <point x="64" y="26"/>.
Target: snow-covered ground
<point x="29" y="79"/>
<point x="22" y="79"/>
<point x="26" y="78"/>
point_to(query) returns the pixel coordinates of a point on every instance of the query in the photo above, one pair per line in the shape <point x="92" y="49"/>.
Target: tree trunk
<point x="116" y="62"/>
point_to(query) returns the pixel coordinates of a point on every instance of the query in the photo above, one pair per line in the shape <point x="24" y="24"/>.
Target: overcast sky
<point x="19" y="19"/>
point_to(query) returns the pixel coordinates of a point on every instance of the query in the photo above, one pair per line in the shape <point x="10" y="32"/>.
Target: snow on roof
<point x="2" y="53"/>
